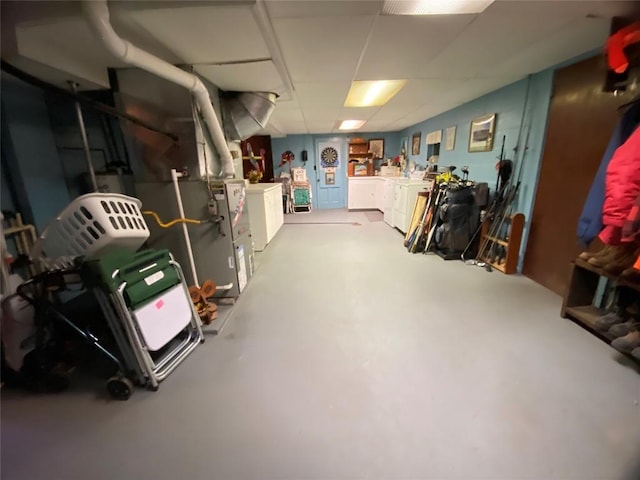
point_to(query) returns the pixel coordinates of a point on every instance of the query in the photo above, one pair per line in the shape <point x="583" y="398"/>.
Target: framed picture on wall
<point x="415" y="144"/>
<point x="329" y="177"/>
<point x="481" y="133"/>
<point x="450" y="141"/>
<point x="376" y="146"/>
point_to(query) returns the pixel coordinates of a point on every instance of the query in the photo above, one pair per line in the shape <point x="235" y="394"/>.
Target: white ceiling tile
<point x="606" y="8"/>
<point x="322" y="94"/>
<point x="320" y="127"/>
<point x="401" y="46"/>
<point x="487" y="41"/>
<point x="322" y="48"/>
<point x="582" y="35"/>
<point x="448" y="60"/>
<point x="207" y="33"/>
<point x="67" y="45"/>
<point x="322" y="8"/>
<point x="244" y="77"/>
<point x="287" y="104"/>
<point x="358" y="113"/>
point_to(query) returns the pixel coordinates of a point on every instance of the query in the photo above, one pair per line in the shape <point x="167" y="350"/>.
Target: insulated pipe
<point x="185" y="231"/>
<point x="85" y="141"/>
<point x="97" y="13"/>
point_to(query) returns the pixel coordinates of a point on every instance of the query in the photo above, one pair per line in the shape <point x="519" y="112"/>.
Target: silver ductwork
<point x="97" y="14"/>
<point x="246" y="113"/>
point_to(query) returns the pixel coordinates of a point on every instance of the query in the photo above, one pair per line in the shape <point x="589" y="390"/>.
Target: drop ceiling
<point x="447" y="59"/>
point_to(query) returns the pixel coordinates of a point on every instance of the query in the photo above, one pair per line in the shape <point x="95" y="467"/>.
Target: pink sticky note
<point x="159" y="304"/>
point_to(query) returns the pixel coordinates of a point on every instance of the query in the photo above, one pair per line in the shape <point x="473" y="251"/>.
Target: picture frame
<point x="415" y="143"/>
<point x="450" y="141"/>
<point x="329" y="178"/>
<point x="376" y="146"/>
<point x="482" y="132"/>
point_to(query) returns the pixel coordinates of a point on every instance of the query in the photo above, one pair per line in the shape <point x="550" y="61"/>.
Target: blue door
<point x="331" y="177"/>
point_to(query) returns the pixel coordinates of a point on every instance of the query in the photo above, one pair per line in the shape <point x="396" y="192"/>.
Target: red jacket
<point x="622" y="189"/>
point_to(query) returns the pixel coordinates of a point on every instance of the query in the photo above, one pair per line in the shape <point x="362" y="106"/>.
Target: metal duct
<point x="246" y="113"/>
<point x="97" y="14"/>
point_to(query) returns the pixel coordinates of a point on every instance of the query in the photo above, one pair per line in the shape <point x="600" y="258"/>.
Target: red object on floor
<point x="616" y="44"/>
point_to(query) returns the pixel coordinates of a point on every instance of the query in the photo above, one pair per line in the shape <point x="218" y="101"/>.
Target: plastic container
<point x="91" y="225"/>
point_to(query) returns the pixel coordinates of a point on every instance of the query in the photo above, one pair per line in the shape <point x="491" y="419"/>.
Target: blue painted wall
<point x="30" y="157"/>
<point x="297" y="143"/>
<point x="508" y="103"/>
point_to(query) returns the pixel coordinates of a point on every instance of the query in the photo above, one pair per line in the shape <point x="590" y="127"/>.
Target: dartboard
<point x="329" y="157"/>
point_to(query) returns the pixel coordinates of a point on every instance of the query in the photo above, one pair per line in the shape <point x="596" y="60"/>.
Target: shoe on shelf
<point x="606" y="250"/>
<point x="622" y="329"/>
<point x="619" y="264"/>
<point x="607" y="255"/>
<point x="633" y="310"/>
<point x="632" y="274"/>
<point x="635" y="353"/>
<point x="627" y="343"/>
<point x="587" y="255"/>
<point x="607" y="321"/>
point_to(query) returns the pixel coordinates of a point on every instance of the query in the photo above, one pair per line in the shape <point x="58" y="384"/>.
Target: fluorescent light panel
<point x="434" y="7"/>
<point x="351" y="124"/>
<point x="372" y="93"/>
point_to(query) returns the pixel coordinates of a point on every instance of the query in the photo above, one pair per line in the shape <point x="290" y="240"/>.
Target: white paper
<point x="164" y="317"/>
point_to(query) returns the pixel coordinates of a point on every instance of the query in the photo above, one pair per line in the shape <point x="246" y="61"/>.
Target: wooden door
<point x="581" y="120"/>
<point x="258" y="142"/>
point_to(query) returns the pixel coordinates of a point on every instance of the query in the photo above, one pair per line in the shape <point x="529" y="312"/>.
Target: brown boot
<point x="587" y="255"/>
<point x="607" y="255"/>
<point x="606" y="250"/>
<point x="627" y="343"/>
<point x="619" y="264"/>
<point x="631" y="274"/>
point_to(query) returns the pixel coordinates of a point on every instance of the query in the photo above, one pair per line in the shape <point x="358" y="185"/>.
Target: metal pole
<point x="83" y="134"/>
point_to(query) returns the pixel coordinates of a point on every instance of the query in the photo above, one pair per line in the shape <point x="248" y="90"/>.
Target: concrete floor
<point x="348" y="357"/>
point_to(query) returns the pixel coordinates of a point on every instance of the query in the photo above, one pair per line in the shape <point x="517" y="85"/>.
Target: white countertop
<point x="262" y="187"/>
<point x="373" y="177"/>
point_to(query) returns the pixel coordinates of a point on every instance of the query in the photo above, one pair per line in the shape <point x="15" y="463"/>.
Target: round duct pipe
<point x="246" y="113"/>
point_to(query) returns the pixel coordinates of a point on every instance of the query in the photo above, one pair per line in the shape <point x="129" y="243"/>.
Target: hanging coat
<point x="631" y="227"/>
<point x="622" y="189"/>
<point x="590" y="222"/>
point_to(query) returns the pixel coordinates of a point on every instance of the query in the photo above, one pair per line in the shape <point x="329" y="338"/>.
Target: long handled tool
<point x="501" y="186"/>
<point x="419" y="212"/>
<point x="425" y="223"/>
<point x="506" y="206"/>
<point x="434" y="219"/>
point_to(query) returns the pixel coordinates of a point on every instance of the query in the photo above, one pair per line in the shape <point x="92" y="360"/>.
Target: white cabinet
<point x="362" y="193"/>
<point x="405" y="194"/>
<point x="380" y="183"/>
<point x="387" y="200"/>
<point x="265" y="212"/>
<point x="400" y="206"/>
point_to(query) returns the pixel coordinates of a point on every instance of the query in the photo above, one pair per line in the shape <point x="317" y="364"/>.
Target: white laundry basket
<point x="93" y="224"/>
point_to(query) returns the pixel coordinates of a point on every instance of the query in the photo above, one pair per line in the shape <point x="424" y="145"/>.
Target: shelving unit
<point x="511" y="244"/>
<point x="577" y="304"/>
<point x="359" y="150"/>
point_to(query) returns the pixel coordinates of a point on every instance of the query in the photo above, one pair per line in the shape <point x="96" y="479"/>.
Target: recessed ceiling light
<point x="351" y="124"/>
<point x="434" y="7"/>
<point x="372" y="93"/>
